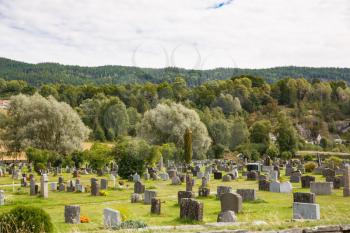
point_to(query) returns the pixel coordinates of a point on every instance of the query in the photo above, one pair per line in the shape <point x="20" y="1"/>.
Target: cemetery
<point x="214" y="194"/>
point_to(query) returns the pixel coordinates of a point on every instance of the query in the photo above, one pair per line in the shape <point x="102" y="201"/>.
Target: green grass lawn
<point x="273" y="208"/>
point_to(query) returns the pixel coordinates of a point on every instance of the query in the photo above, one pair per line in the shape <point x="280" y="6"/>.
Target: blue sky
<point x="197" y="34"/>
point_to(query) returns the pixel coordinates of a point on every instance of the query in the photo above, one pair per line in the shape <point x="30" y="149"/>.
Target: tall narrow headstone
<point x="2" y="197"/>
<point x="44" y="192"/>
<point x="346" y="190"/>
<point x="32" y="187"/>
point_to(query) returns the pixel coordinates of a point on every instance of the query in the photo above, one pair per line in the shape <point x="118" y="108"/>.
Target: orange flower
<point x="84" y="219"/>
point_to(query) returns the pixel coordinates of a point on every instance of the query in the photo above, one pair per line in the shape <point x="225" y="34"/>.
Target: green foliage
<point x="131" y="224"/>
<point x="44" y="124"/>
<point x="132" y="156"/>
<point x="98" y="155"/>
<point x="333" y="162"/>
<point x="286" y="155"/>
<point x="40" y="158"/>
<point x="259" y="132"/>
<point x="310" y="166"/>
<point x="287" y="138"/>
<point x="26" y="219"/>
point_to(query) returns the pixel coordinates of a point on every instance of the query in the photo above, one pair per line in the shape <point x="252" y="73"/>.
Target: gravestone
<point x="328" y="172"/>
<point x="306" y="180"/>
<point x="275" y="186"/>
<point x="104" y="184"/>
<point x="231" y="201"/>
<point x="227" y="216"/>
<point x="139" y="187"/>
<point x="306" y="211"/>
<point x="321" y="188"/>
<point x="175" y="180"/>
<point x="53" y="186"/>
<point x="264" y="185"/>
<point x="220" y="190"/>
<point x="203" y="192"/>
<point x="44" y="192"/>
<point x="346" y="190"/>
<point x="336" y="180"/>
<point x="247" y="194"/>
<point x="304" y="197"/>
<point x="217" y="175"/>
<point x="155" y="206"/>
<point x="191" y="209"/>
<point x="286" y="187"/>
<point x="200" y="175"/>
<point x="184" y="194"/>
<point x="252" y="175"/>
<point x="136" y="177"/>
<point x="32" y="187"/>
<point x="289" y="169"/>
<point x="136" y="197"/>
<point x="60" y="180"/>
<point x="189" y="183"/>
<point x="172" y="173"/>
<point x="61" y="187"/>
<point x="273" y="175"/>
<point x="95" y="187"/>
<point x="226" y="178"/>
<point x="164" y="176"/>
<point x="149" y="194"/>
<point x="72" y="214"/>
<point x="204" y="182"/>
<point x="111" y="218"/>
<point x="295" y="177"/>
<point x="2" y="197"/>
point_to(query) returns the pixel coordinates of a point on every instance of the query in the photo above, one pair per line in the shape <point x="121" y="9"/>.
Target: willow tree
<point x="167" y="123"/>
<point x="188" y="146"/>
<point x="34" y="121"/>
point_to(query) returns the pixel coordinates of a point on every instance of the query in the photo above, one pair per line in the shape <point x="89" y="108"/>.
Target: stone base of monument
<point x="306" y="211"/>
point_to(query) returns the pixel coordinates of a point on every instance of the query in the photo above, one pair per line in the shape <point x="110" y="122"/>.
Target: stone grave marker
<point x="231" y="201"/>
<point x="72" y="214"/>
<point x="184" y="194"/>
<point x="321" y="188"/>
<point x="104" y="184"/>
<point x="111" y="218"/>
<point x="247" y="194"/>
<point x="304" y="197"/>
<point x="306" y="180"/>
<point x="191" y="209"/>
<point x="156" y="206"/>
<point x="149" y="194"/>
<point x="44" y="192"/>
<point x="139" y="187"/>
<point x="346" y="190"/>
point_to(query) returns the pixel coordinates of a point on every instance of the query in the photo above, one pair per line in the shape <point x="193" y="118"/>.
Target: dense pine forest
<point x="45" y="73"/>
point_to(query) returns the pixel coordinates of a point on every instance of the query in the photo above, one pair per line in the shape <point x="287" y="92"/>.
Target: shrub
<point x="131" y="224"/>
<point x="310" y="166"/>
<point x="308" y="157"/>
<point x="26" y="220"/>
<point x="129" y="166"/>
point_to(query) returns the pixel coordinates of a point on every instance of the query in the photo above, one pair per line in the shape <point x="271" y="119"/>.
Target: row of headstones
<point x="318" y="188"/>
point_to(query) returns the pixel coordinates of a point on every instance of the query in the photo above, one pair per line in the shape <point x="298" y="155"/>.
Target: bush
<point x="308" y="157"/>
<point x="26" y="220"/>
<point x="310" y="166"/>
<point x="129" y="166"/>
<point x="131" y="224"/>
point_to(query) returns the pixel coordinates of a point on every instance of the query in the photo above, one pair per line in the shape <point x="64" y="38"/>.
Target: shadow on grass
<point x="257" y="201"/>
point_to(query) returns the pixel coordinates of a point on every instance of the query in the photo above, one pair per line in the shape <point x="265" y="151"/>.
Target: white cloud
<point x="187" y="33"/>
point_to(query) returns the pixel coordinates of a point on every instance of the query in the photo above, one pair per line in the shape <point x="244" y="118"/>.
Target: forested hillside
<point x="45" y="73"/>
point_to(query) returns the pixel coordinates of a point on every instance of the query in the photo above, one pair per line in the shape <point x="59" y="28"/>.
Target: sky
<point x="194" y="34"/>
